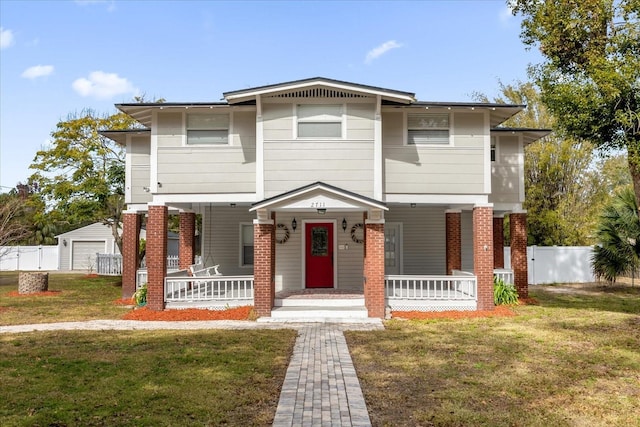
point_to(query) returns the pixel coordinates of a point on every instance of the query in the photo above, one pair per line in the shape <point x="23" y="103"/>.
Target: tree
<point x="80" y="176"/>
<point x="12" y="230"/>
<point x="618" y="232"/>
<point x="562" y="181"/>
<point x="590" y="77"/>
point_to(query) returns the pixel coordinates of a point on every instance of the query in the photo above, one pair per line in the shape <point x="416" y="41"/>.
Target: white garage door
<point x="84" y="254"/>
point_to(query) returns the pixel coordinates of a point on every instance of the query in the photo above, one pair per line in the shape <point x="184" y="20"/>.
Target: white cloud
<point x="378" y="51"/>
<point x="6" y="38"/>
<point x="102" y="85"/>
<point x="506" y="13"/>
<point x="37" y="71"/>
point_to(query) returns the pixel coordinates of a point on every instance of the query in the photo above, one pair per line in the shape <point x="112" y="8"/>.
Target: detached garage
<point x="77" y="249"/>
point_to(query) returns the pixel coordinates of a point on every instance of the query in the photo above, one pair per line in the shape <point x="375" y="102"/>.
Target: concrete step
<point x="300" y="313"/>
<point x="319" y="302"/>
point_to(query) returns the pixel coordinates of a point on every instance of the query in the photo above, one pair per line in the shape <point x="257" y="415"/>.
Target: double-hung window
<point x="246" y="245"/>
<point x="209" y="129"/>
<point x="427" y="128"/>
<point x="319" y="120"/>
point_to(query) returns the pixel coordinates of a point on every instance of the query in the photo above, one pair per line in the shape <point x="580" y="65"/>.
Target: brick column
<point x="518" y="231"/>
<point x="483" y="255"/>
<point x="186" y="249"/>
<point x="498" y="242"/>
<point x="156" y="255"/>
<point x="263" y="267"/>
<point x="374" y="270"/>
<point x="131" y="223"/>
<point x="454" y="240"/>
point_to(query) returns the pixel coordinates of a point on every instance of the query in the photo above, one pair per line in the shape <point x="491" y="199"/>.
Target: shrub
<point x="504" y="293"/>
<point x="140" y="296"/>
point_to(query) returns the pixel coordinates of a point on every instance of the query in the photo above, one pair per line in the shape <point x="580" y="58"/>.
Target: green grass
<point x="572" y="360"/>
<point x="136" y="378"/>
<point x="80" y="298"/>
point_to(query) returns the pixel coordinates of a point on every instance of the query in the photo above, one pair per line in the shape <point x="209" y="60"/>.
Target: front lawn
<point x="79" y="298"/>
<point x="137" y="378"/>
<point x="574" y="359"/>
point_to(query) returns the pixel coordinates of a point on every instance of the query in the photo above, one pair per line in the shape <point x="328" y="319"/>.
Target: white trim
<point x="263" y="221"/>
<point x="452" y="211"/>
<point x="483" y="205"/>
<point x="519" y="211"/>
<point x="153" y="161"/>
<point x="204" y="198"/>
<point x="377" y="151"/>
<point x="128" y="171"/>
<point x="437" y="199"/>
<point x="374" y="221"/>
<point x="521" y="168"/>
<point x="507" y="207"/>
<point x="304" y="249"/>
<point x="319" y="82"/>
<point x="259" y="150"/>
<point x="135" y="208"/>
<point x="487" y="153"/>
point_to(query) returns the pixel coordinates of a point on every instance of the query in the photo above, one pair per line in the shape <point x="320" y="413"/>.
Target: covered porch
<point x="398" y="256"/>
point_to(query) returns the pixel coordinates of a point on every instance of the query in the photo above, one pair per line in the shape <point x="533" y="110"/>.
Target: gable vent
<point x="319" y="93"/>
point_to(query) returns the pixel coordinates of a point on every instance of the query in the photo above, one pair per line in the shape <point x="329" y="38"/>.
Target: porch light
<point x="294" y="224"/>
<point x="64" y="242"/>
<point x="233" y="205"/>
<point x="344" y="224"/>
<point x="413" y="205"/>
<point x="322" y="211"/>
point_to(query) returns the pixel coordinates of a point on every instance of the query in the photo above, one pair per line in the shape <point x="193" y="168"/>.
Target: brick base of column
<point x="131" y="223"/>
<point x="483" y="255"/>
<point x="518" y="231"/>
<point x="156" y="255"/>
<point x="498" y="242"/>
<point x="453" y="221"/>
<point x="186" y="248"/>
<point x="374" y="270"/>
<point x="263" y="269"/>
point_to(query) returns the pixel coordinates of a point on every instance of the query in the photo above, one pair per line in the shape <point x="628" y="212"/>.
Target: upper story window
<point x="428" y="128"/>
<point x="211" y="129"/>
<point x="319" y="121"/>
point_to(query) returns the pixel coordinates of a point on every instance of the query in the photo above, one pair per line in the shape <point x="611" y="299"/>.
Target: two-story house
<point x="322" y="184"/>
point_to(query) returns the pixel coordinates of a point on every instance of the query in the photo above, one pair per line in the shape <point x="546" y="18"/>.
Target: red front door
<point x="319" y="255"/>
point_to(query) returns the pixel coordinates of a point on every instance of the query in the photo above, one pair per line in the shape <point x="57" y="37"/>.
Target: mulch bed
<point x="124" y="301"/>
<point x="239" y="313"/>
<point x="35" y="294"/>
<point x="499" y="311"/>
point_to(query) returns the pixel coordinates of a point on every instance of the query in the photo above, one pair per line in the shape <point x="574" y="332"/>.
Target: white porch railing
<point x="231" y="290"/>
<point x="431" y="293"/>
<point x="109" y="264"/>
<point x="172" y="262"/>
<point x="504" y="274"/>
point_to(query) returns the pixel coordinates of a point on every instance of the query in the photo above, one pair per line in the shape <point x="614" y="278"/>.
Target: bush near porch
<point x="571" y="360"/>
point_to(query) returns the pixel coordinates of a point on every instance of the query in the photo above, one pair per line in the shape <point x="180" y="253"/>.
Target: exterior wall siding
<point x="207" y="169"/>
<point x="345" y="163"/>
<point x="442" y="169"/>
<point x="505" y="187"/>
<point x="139" y="157"/>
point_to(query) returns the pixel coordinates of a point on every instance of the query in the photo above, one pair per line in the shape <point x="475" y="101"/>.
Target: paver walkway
<point x="321" y="387"/>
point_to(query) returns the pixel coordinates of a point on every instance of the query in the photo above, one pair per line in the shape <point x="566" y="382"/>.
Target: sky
<point x="61" y="57"/>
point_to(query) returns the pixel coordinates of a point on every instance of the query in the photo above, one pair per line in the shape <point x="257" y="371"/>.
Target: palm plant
<point x="618" y="234"/>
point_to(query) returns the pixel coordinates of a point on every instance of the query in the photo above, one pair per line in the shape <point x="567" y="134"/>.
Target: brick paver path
<point x="321" y="387"/>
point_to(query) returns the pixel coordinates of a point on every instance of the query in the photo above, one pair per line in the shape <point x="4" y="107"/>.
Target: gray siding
<point x="505" y="185"/>
<point x="221" y="230"/>
<point x="140" y="158"/>
<point x="423" y="238"/>
<point x="207" y="169"/>
<point x="345" y="163"/>
<point x="457" y="169"/>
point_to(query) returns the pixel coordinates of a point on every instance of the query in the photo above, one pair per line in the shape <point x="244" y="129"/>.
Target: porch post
<point x="131" y="222"/>
<point x="263" y="266"/>
<point x="454" y="240"/>
<point x="156" y="254"/>
<point x="498" y="241"/>
<point x="374" y="297"/>
<point x="518" y="231"/>
<point x="187" y="235"/>
<point x="483" y="254"/>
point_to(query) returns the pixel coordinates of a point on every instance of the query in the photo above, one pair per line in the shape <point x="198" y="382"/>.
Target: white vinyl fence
<point x="13" y="258"/>
<point x="556" y="264"/>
